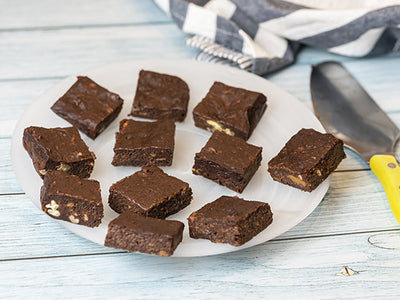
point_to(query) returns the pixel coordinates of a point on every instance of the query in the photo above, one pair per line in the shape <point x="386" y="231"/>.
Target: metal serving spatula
<point x="347" y="111"/>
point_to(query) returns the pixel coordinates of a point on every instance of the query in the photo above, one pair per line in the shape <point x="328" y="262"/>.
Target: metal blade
<point x="347" y="111"/>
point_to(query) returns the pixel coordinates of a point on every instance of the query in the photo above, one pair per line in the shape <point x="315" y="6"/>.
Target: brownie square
<point x="133" y="232"/>
<point x="58" y="149"/>
<point x="228" y="160"/>
<point x="88" y="106"/>
<point x="307" y="159"/>
<point x="232" y="110"/>
<point x="150" y="192"/>
<point x="141" y="143"/>
<point x="230" y="220"/>
<point x="71" y="198"/>
<point x="160" y="96"/>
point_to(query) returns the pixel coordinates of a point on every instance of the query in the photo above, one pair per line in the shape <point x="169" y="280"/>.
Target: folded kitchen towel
<point x="263" y="36"/>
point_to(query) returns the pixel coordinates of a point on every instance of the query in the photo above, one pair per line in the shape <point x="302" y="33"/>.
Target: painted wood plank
<point x="355" y="203"/>
<point x="310" y="55"/>
<point x="8" y="182"/>
<point x="306" y="268"/>
<point x="48" y="53"/>
<point x="21" y="14"/>
<point x="378" y="75"/>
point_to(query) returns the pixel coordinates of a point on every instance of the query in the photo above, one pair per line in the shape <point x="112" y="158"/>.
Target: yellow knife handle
<point x="386" y="168"/>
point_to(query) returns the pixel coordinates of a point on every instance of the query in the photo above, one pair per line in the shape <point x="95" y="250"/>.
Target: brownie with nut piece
<point x="141" y="143"/>
<point x="307" y="159"/>
<point x="228" y="160"/>
<point x="71" y="198"/>
<point x="230" y="220"/>
<point x="88" y="106"/>
<point x="58" y="149"/>
<point x="160" y="96"/>
<point x="133" y="232"/>
<point x="150" y="192"/>
<point x="234" y="111"/>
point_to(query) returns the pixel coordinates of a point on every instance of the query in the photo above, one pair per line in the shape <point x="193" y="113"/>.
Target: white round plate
<point x="284" y="116"/>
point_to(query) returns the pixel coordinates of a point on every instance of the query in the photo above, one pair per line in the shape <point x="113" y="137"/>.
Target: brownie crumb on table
<point x="58" y="149"/>
<point x="230" y="220"/>
<point x="307" y="159"/>
<point x="141" y="143"/>
<point x="133" y="232"/>
<point x="160" y="96"/>
<point x="228" y="160"/>
<point x="88" y="106"/>
<point x="150" y="192"/>
<point x="71" y="198"/>
<point x="234" y="111"/>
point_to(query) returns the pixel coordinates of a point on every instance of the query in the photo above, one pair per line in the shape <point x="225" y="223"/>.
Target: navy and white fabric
<point x="263" y="36"/>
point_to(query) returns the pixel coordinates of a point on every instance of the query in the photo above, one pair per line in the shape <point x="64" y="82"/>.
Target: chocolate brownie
<point x="58" y="149"/>
<point x="307" y="159"/>
<point x="71" y="198"/>
<point x="150" y="192"/>
<point x="228" y="160"/>
<point x="160" y="96"/>
<point x="232" y="110"/>
<point x="88" y="106"/>
<point x="230" y="220"/>
<point x="133" y="232"/>
<point x="141" y="143"/>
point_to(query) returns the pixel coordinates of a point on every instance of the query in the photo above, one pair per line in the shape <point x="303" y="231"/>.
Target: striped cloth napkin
<point x="263" y="36"/>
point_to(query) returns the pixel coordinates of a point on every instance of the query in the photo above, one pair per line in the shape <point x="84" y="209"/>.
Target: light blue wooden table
<point x="42" y="42"/>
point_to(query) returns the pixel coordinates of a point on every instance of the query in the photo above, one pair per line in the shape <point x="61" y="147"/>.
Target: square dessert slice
<point x="230" y="220"/>
<point x="232" y="110"/>
<point x="88" y="106"/>
<point x="150" y="192"/>
<point x="307" y="159"/>
<point x="71" y="198"/>
<point x="141" y="143"/>
<point x="58" y="149"/>
<point x="133" y="232"/>
<point x="228" y="160"/>
<point x="160" y="96"/>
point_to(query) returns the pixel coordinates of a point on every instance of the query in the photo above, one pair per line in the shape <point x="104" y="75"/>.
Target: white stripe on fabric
<point x="346" y="4"/>
<point x="273" y="44"/>
<point x="308" y="22"/>
<point x="164" y="4"/>
<point x="361" y="46"/>
<point x="251" y="48"/>
<point x="200" y="21"/>
<point x="223" y="8"/>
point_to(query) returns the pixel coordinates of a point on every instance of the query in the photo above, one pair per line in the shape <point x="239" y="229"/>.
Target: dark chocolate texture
<point x="160" y="96"/>
<point x="234" y="111"/>
<point x="58" y="149"/>
<point x="133" y="232"/>
<point x="88" y="106"/>
<point x="141" y="143"/>
<point x="150" y="192"/>
<point x="71" y="198"/>
<point x="307" y="159"/>
<point x="228" y="160"/>
<point x="230" y="220"/>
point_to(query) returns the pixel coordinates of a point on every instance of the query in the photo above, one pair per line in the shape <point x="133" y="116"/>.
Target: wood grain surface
<point x="42" y="42"/>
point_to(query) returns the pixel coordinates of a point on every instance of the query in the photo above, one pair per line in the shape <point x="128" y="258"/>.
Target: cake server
<point x="347" y="111"/>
